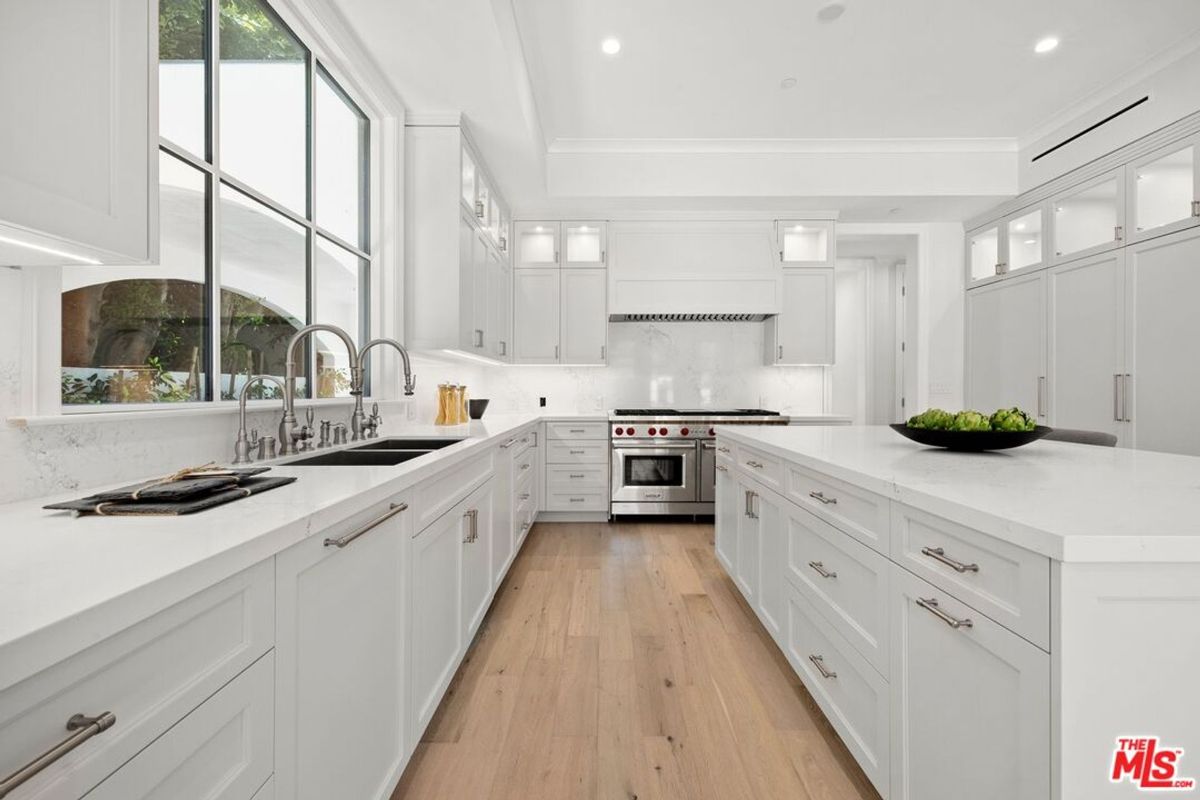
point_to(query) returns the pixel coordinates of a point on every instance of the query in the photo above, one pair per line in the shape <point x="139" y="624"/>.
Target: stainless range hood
<point x="687" y="317"/>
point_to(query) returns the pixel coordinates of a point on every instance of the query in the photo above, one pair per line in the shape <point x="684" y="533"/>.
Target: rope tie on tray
<point x="186" y="472"/>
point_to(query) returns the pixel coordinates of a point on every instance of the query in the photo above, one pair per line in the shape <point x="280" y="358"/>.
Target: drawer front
<point x="597" y="431"/>
<point x="845" y="581"/>
<point x="579" y="452"/>
<point x="564" y="478"/>
<point x="1007" y="583"/>
<point x="441" y="493"/>
<point x="149" y="676"/>
<point x="220" y="751"/>
<point x="862" y="514"/>
<point x="524" y="465"/>
<point x="760" y="466"/>
<point x="563" y="500"/>
<point x="852" y="694"/>
<point x="524" y="442"/>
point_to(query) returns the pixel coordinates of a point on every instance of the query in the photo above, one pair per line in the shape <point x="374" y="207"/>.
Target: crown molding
<point x="420" y="119"/>
<point x="561" y="146"/>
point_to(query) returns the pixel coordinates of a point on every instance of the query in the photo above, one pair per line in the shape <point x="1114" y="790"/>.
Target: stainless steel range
<point x="664" y="459"/>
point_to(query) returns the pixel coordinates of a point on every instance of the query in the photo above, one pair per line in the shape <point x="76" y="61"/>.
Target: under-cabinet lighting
<point x="50" y="251"/>
<point x="1046" y="45"/>
<point x="610" y="46"/>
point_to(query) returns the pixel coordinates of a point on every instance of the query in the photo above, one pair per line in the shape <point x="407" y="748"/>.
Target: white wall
<point x="942" y="313"/>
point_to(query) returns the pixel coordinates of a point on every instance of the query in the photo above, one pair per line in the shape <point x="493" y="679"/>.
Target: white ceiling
<point x="886" y="68"/>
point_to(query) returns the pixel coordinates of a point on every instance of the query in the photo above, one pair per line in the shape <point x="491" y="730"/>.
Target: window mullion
<point x="311" y="272"/>
<point x="212" y="65"/>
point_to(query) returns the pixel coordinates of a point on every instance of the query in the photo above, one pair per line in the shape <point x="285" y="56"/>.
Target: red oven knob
<point x="683" y="431"/>
<point x="662" y="431"/>
<point x="618" y="431"/>
<point x="629" y="431"/>
<point x="712" y="431"/>
<point x="652" y="431"/>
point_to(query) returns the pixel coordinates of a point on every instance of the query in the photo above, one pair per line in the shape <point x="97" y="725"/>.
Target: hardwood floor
<point x="618" y="661"/>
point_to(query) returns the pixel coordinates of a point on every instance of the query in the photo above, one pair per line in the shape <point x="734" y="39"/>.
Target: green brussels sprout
<point x="1012" y="419"/>
<point x="935" y="419"/>
<point x="971" y="421"/>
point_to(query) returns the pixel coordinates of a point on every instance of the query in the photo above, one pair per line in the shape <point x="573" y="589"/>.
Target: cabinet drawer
<point x="862" y="514"/>
<point x="850" y="692"/>
<point x="760" y="466"/>
<point x="524" y="464"/>
<point x="523" y="442"/>
<point x="565" y="478"/>
<point x="579" y="452"/>
<point x="441" y="493"/>
<point x="845" y="581"/>
<point x="577" y="430"/>
<point x="220" y="751"/>
<point x="149" y="676"/>
<point x="579" y="500"/>
<point x="1007" y="583"/>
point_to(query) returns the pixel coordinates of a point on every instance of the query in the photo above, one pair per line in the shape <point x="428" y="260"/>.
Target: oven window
<point x="653" y="470"/>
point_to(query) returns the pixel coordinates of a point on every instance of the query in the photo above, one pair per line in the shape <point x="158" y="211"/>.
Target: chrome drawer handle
<point x="508" y="444"/>
<point x="722" y="449"/>
<point x="342" y="541"/>
<point x="931" y="605"/>
<point x="577" y="452"/>
<point x="750" y="504"/>
<point x="525" y="496"/>
<point x="577" y="475"/>
<point x="938" y="554"/>
<point x="82" y="727"/>
<point x="722" y="468"/>
<point x="577" y="430"/>
<point x="820" y="569"/>
<point x="472" y="516"/>
<point x="819" y="663"/>
<point x="754" y="464"/>
<point x="577" y="500"/>
<point x="524" y="466"/>
<point x="821" y="498"/>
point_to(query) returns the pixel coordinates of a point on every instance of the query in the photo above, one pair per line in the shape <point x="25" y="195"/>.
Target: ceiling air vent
<point x="1093" y="127"/>
<point x="687" y="317"/>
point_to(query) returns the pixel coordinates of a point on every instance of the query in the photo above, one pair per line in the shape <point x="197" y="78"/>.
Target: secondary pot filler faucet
<point x="289" y="428"/>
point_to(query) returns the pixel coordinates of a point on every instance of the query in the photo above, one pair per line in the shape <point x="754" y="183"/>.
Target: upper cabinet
<point x="806" y="243"/>
<point x="983" y="253"/>
<point x="1089" y="218"/>
<point x="78" y="150"/>
<point x="585" y="243"/>
<point x="1164" y="191"/>
<point x="1014" y="243"/>
<point x="537" y="244"/>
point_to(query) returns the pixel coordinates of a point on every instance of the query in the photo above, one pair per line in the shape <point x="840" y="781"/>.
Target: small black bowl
<point x="971" y="441"/>
<point x="475" y="408"/>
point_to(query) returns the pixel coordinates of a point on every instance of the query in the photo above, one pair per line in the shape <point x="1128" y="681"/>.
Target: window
<point x="264" y="186"/>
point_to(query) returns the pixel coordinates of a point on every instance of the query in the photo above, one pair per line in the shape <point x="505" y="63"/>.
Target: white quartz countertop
<point x="1070" y="502"/>
<point x="67" y="582"/>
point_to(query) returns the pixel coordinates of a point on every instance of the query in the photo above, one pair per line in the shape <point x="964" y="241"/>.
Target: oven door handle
<point x="708" y="445"/>
<point x="656" y="446"/>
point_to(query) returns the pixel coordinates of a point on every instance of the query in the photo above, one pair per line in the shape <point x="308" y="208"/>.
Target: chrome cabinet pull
<point x="603" y="352"/>
<point x="342" y="541"/>
<point x="754" y="464"/>
<point x="819" y="567"/>
<point x="939" y="554"/>
<point x="576" y="475"/>
<point x="576" y="499"/>
<point x="576" y="430"/>
<point x="1196" y="208"/>
<point x="1116" y="397"/>
<point x="555" y="256"/>
<point x="819" y="663"/>
<point x="931" y="605"/>
<point x="821" y="498"/>
<point x="750" y="504"/>
<point x="721" y="468"/>
<point x="577" y="452"/>
<point x="508" y="444"/>
<point x="478" y="338"/>
<point x="472" y="517"/>
<point x="82" y="728"/>
<point x="555" y="352"/>
<point x="1125" y="398"/>
<point x="524" y="466"/>
<point x="1118" y="233"/>
<point x="524" y="496"/>
<point x="479" y="209"/>
<point x="503" y="347"/>
<point x="780" y="356"/>
<point x="722" y="449"/>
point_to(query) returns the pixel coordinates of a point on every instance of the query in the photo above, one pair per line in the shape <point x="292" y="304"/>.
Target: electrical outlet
<point x="541" y="402"/>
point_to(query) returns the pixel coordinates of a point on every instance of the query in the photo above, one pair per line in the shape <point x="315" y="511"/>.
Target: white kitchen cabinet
<point x="806" y="243"/>
<point x="79" y="148"/>
<point x="970" y="702"/>
<point x="983" y="252"/>
<point x="339" y="624"/>
<point x="1024" y="239"/>
<point x="1006" y="323"/>
<point x="537" y="244"/>
<point x="748" y="542"/>
<point x="803" y="331"/>
<point x="585" y="244"/>
<point x="728" y="509"/>
<point x="498" y="341"/>
<point x="1163" y="191"/>
<point x="584" y="316"/>
<point x="479" y="513"/>
<point x="469" y="176"/>
<point x="1085" y="359"/>
<point x="1163" y="327"/>
<point x="1089" y="218"/>
<point x="772" y="563"/>
<point x="504" y="511"/>
<point x="536" y="316"/>
<point x="475" y="274"/>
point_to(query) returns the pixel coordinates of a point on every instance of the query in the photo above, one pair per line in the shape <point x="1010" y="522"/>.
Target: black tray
<point x="971" y="441"/>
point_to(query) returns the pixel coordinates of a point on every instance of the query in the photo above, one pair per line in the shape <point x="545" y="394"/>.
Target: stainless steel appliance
<point x="664" y="459"/>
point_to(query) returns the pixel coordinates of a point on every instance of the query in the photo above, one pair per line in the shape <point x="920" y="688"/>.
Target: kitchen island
<point x="974" y="624"/>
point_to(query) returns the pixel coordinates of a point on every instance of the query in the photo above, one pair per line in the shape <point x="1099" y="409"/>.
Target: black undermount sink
<point x="360" y="458"/>
<point x="407" y="444"/>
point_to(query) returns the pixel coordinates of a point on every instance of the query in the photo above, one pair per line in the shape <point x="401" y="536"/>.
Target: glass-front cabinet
<point x="585" y="244"/>
<point x="983" y="253"/>
<point x="1089" y="218"/>
<point x="537" y="244"/>
<point x="806" y="243"/>
<point x="469" y="173"/>
<point x="1163" y="190"/>
<point x="1017" y="242"/>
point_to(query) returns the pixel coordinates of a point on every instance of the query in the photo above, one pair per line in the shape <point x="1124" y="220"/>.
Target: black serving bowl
<point x="971" y="441"/>
<point x="475" y="408"/>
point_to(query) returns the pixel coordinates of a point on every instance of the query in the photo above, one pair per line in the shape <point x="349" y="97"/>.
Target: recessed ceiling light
<point x="1046" y="45"/>
<point x="1020" y="226"/>
<point x="830" y="12"/>
<point x="1031" y="241"/>
<point x="610" y="46"/>
<point x="787" y="83"/>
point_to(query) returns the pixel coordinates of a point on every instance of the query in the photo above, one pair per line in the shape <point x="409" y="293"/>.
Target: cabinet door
<point x="806" y="243"/>
<point x="435" y="631"/>
<point x="1089" y="218"/>
<point x="1164" y="378"/>
<point x="1163" y="191"/>
<point x="1006" y="345"/>
<point x="535" y="316"/>
<point x="802" y="333"/>
<point x="478" y="512"/>
<point x="772" y="559"/>
<point x="584" y="316"/>
<point x="1024" y="240"/>
<point x="499" y="307"/>
<point x="537" y="244"/>
<point x="970" y="704"/>
<point x="331" y="602"/>
<point x="585" y="244"/>
<point x="728" y="510"/>
<point x="480" y="342"/>
<point x="983" y="253"/>
<point x="746" y="574"/>
<point x="79" y="146"/>
<point x="469" y="174"/>
<point x="1086" y="347"/>
<point x="504" y="522"/>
